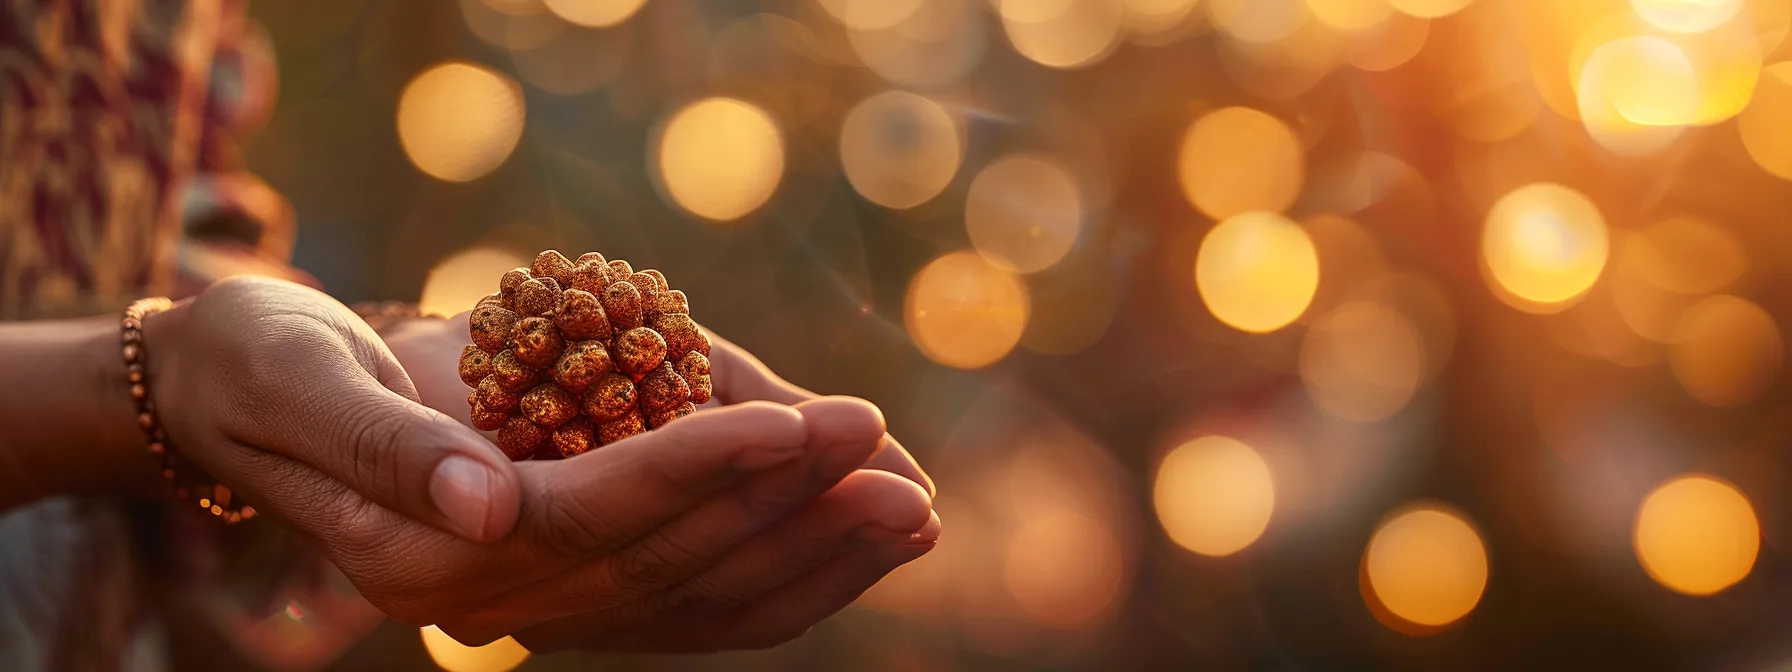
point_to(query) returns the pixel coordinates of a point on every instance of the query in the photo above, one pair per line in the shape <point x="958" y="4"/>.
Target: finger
<point x="739" y="376"/>
<point x="324" y="409"/>
<point x="774" y="618"/>
<point x="604" y="499"/>
<point x="839" y="434"/>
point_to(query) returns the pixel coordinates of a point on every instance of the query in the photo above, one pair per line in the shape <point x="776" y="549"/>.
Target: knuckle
<point x="649" y="564"/>
<point x="699" y="594"/>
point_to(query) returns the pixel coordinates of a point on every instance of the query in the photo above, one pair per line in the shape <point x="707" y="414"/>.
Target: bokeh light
<point x="1363" y="361"/>
<point x="965" y="312"/>
<point x="899" y="149"/>
<point x="458" y="121"/>
<point x="720" y="158"/>
<point x="1697" y="535"/>
<point x="1726" y="350"/>
<point x="594" y="13"/>
<point x="1686" y="254"/>
<point x="1635" y="95"/>
<point x="937" y="43"/>
<point x="1214" y="495"/>
<point x="499" y="656"/>
<point x="1687" y="16"/>
<point x="1543" y="245"/>
<point x="1765" y="133"/>
<point x="1023" y="212"/>
<point x="1063" y="33"/>
<point x="1350" y="15"/>
<point x="1063" y="568"/>
<point x="461" y="280"/>
<point x="871" y="14"/>
<point x="1429" y="9"/>
<point x="1425" y="565"/>
<point x="1238" y="159"/>
<point x="1257" y="271"/>
<point x="1392" y="43"/>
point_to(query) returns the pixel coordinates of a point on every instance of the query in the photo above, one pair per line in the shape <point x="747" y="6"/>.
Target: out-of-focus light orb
<point x="458" y="121"/>
<point x="965" y="312"/>
<point x="594" y="13"/>
<point x="1687" y="255"/>
<point x="1256" y="21"/>
<point x="1024" y="213"/>
<point x="1726" y="350"/>
<point x="1389" y="45"/>
<point x="1063" y="568"/>
<point x="1363" y="361"/>
<point x="461" y="280"/>
<point x="1765" y="133"/>
<point x="1155" y="18"/>
<point x="1237" y="159"/>
<point x="1429" y="9"/>
<point x="1214" y="495"/>
<point x="1426" y="565"/>
<point x="720" y="158"/>
<point x="872" y="14"/>
<point x="1697" y="535"/>
<point x="1063" y="34"/>
<point x="1543" y="245"/>
<point x="1687" y="16"/>
<point x="1725" y="66"/>
<point x="899" y="149"/>
<point x="935" y="44"/>
<point x="1635" y="95"/>
<point x="1350" y="15"/>
<point x="499" y="656"/>
<point x="1257" y="271"/>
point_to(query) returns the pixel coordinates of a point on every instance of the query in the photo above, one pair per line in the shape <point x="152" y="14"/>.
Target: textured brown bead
<point x="552" y="264"/>
<point x="622" y="303"/>
<point x="535" y="341"/>
<point x="583" y="363"/>
<point x="139" y="392"/>
<point x="488" y="420"/>
<point x="475" y="365"/>
<point x="681" y="333"/>
<point x="673" y="301"/>
<point x="538" y="296"/>
<point x="547" y="450"/>
<point x="493" y="299"/>
<point x="131" y="352"/>
<point x="512" y="373"/>
<point x="638" y="351"/>
<point x="658" y="419"/>
<point x="519" y="438"/>
<point x="619" y="269"/>
<point x="493" y="396"/>
<point x="693" y="367"/>
<point x="621" y="428"/>
<point x="592" y="277"/>
<point x="590" y="257"/>
<point x="513" y="279"/>
<point x="133" y="373"/>
<point x="490" y="326"/>
<point x="662" y="389"/>
<point x="575" y="437"/>
<point x="581" y="316"/>
<point x="645" y="285"/>
<point x="609" y="398"/>
<point x="549" y="405"/>
<point x="659" y="280"/>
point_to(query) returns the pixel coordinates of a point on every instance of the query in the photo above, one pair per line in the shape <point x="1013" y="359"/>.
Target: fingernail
<point x="883" y="535"/>
<point x="766" y="458"/>
<point x="929" y="533"/>
<point x="461" y="490"/>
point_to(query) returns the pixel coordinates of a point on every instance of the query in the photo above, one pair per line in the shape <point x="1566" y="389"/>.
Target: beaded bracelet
<point x="214" y="498"/>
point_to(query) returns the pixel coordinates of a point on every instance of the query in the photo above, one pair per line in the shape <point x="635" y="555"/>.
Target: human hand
<point x="284" y="395"/>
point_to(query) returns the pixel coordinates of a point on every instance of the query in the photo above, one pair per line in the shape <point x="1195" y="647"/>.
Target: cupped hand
<point x="711" y="533"/>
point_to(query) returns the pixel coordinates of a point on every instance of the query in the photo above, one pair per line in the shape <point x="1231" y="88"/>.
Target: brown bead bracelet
<point x="214" y="498"/>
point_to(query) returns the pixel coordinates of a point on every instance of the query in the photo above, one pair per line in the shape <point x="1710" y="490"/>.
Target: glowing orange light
<point x="1697" y="535"/>
<point x="1214" y="495"/>
<point x="720" y="158"/>
<point x="499" y="656"/>
<point x="1543" y="245"/>
<point x="964" y="312"/>
<point x="1425" y="565"/>
<point x="458" y="122"/>
<point x="1237" y="160"/>
<point x="1024" y="213"/>
<point x="1257" y="271"/>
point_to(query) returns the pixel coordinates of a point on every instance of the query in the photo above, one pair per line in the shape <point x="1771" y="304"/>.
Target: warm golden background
<point x="1239" y="334"/>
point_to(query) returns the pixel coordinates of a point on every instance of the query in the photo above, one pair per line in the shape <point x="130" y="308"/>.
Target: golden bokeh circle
<point x="1544" y="244"/>
<point x="1024" y="212"/>
<point x="899" y="149"/>
<point x="1238" y="159"/>
<point x="1214" y="495"/>
<point x="1064" y="34"/>
<point x="1426" y="565"/>
<point x="458" y="121"/>
<point x="720" y="158"/>
<point x="1726" y="350"/>
<point x="1687" y="16"/>
<point x="1257" y="271"/>
<point x="965" y="312"/>
<point x="1696" y="535"/>
<point x="1363" y="361"/>
<point x="462" y="279"/>
<point x="1428" y="9"/>
<point x="499" y="656"/>
<point x="1765" y="133"/>
<point x="1350" y="15"/>
<point x="594" y="13"/>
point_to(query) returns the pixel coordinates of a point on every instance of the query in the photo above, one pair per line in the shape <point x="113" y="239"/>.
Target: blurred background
<point x="1238" y="334"/>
